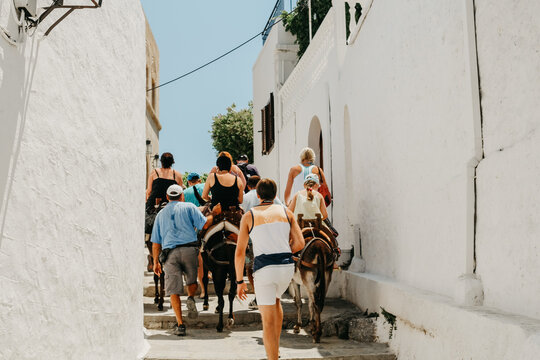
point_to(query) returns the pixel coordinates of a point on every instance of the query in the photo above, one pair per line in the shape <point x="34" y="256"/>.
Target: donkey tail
<point x="320" y="281"/>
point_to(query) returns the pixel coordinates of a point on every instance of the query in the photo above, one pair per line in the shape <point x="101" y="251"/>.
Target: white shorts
<point x="271" y="282"/>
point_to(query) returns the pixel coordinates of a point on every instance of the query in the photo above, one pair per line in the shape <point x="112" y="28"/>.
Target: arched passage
<point x="315" y="141"/>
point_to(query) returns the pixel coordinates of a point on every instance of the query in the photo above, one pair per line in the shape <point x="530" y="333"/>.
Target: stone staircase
<point x="347" y="334"/>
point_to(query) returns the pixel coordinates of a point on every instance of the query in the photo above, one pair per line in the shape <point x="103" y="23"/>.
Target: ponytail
<point x="309" y="191"/>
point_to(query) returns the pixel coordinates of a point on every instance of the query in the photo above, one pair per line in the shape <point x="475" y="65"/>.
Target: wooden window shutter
<point x="267" y="124"/>
<point x="263" y="131"/>
<point x="272" y="136"/>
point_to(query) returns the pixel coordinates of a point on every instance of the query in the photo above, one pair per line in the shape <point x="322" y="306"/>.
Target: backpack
<point x="243" y="168"/>
<point x="150" y="217"/>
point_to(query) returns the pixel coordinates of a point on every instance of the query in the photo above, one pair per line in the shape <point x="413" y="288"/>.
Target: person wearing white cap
<point x="309" y="202"/>
<point x="175" y="245"/>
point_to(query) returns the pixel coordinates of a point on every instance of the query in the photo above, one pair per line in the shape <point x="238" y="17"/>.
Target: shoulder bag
<point x="323" y="189"/>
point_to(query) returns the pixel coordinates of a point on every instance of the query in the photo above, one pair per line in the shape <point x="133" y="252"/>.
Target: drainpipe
<point x="469" y="289"/>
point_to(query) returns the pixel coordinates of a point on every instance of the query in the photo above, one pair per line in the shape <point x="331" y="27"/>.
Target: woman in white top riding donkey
<point x="308" y="201"/>
<point x="297" y="175"/>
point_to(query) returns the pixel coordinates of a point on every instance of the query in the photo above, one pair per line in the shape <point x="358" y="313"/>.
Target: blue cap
<point x="192" y="176"/>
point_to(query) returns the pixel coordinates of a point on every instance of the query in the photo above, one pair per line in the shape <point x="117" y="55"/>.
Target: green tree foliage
<point x="357" y="14"/>
<point x="297" y="21"/>
<point x="233" y="131"/>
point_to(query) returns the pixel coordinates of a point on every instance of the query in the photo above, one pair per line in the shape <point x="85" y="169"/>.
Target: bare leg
<point x="175" y="303"/>
<point x="271" y="324"/>
<point x="192" y="289"/>
<point x="279" y="320"/>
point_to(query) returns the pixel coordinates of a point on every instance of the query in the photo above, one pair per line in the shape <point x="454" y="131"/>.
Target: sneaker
<point x="192" y="309"/>
<point x="179" y="330"/>
<point x="253" y="304"/>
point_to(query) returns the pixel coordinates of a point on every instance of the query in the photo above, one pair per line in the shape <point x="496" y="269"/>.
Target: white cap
<point x="174" y="190"/>
<point x="312" y="177"/>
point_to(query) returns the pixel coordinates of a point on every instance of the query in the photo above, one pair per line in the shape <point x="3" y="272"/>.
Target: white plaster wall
<point x="405" y="84"/>
<point x="431" y="326"/>
<point x="72" y="111"/>
<point x="406" y="90"/>
<point x="272" y="67"/>
<point x="152" y="134"/>
<point x="264" y="83"/>
<point x="508" y="249"/>
<point x="410" y="88"/>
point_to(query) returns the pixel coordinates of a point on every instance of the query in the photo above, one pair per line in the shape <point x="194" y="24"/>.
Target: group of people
<point x="268" y="230"/>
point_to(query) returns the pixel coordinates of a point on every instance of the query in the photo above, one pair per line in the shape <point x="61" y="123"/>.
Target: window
<point x="268" y="131"/>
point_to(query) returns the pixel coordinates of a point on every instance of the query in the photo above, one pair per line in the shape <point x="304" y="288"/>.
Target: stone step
<point x="149" y="288"/>
<point x="246" y="343"/>
<point x="339" y="318"/>
<point x="154" y="319"/>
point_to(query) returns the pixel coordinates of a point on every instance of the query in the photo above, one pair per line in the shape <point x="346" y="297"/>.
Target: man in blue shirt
<point x="194" y="183"/>
<point x="174" y="237"/>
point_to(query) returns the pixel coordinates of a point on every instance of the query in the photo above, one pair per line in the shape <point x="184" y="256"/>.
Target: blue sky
<point x="190" y="33"/>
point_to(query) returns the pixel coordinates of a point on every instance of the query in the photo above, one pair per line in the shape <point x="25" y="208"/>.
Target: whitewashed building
<point x="153" y="125"/>
<point x="425" y="120"/>
<point x="72" y="179"/>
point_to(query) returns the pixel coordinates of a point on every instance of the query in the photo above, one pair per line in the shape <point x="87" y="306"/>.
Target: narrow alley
<point x="348" y="334"/>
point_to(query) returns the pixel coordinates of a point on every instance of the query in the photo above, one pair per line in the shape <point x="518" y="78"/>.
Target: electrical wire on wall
<point x="29" y="19"/>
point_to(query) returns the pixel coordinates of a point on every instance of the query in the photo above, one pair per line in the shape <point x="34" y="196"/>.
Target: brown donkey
<point x="314" y="267"/>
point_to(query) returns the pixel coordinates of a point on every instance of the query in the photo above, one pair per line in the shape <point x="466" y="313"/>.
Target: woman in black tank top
<point x="159" y="185"/>
<point x="227" y="196"/>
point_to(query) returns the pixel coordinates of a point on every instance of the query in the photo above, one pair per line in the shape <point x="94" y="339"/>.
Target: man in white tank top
<point x="275" y="235"/>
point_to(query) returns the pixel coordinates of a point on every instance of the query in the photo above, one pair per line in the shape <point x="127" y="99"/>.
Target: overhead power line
<point x="219" y="57"/>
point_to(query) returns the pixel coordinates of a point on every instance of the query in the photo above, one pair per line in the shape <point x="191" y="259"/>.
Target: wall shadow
<point x="17" y="69"/>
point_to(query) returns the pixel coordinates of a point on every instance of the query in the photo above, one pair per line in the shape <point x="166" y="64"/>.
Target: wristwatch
<point x="238" y="282"/>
